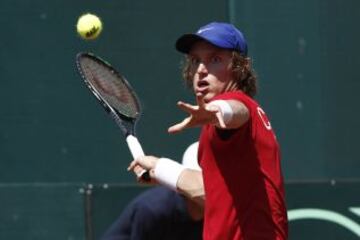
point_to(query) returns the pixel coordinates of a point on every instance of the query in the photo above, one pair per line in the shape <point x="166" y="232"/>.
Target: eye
<point x="194" y="60"/>
<point x="216" y="59"/>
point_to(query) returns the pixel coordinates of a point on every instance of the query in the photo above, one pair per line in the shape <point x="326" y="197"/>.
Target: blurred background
<point x="63" y="160"/>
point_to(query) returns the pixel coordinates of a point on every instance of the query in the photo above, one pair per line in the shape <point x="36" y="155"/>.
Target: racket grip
<point x="137" y="151"/>
<point x="145" y="175"/>
<point x="134" y="146"/>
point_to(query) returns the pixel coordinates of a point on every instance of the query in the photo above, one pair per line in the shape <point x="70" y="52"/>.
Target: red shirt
<point x="242" y="177"/>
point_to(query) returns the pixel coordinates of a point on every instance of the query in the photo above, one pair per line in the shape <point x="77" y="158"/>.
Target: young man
<point x="238" y="152"/>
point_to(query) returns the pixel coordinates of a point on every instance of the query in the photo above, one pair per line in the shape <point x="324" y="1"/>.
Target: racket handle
<point x="134" y="146"/>
<point x="145" y="175"/>
<point x="137" y="151"/>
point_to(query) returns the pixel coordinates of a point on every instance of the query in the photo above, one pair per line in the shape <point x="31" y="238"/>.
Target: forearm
<point x="184" y="180"/>
<point x="190" y="184"/>
<point x="172" y="174"/>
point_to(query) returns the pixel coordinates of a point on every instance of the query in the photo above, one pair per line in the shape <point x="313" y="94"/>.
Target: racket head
<point x="109" y="86"/>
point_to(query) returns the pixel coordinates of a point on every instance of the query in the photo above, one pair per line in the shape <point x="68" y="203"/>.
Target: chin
<point x="208" y="97"/>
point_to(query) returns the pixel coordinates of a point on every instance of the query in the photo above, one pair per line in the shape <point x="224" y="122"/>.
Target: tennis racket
<point x="117" y="97"/>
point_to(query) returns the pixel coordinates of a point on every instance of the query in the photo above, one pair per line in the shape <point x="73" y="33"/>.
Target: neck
<point x="231" y="86"/>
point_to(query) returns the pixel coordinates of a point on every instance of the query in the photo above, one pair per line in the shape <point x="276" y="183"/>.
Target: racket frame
<point x="126" y="124"/>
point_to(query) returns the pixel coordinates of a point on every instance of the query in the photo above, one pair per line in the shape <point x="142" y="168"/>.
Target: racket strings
<point x="111" y="87"/>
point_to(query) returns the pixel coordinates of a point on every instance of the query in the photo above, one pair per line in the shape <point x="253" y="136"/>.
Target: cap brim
<point x="186" y="41"/>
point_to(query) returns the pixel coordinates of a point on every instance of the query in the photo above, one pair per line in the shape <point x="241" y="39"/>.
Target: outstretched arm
<point x="225" y="114"/>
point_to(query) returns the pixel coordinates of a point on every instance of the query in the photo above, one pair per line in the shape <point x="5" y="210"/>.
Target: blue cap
<point x="222" y="35"/>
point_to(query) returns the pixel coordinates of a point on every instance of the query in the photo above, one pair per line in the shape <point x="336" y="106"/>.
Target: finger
<point x="212" y="108"/>
<point x="175" y="129"/>
<point x="186" y="107"/>
<point x="147" y="182"/>
<point x="136" y="165"/>
<point x="180" y="126"/>
<point x="138" y="170"/>
<point x="220" y="119"/>
<point x="145" y="162"/>
<point x="132" y="165"/>
<point x="200" y="100"/>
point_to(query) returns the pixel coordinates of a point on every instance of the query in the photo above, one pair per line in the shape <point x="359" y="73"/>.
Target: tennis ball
<point x="89" y="26"/>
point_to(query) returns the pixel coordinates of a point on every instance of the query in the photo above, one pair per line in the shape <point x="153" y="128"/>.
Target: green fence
<point x="42" y="211"/>
<point x="316" y="210"/>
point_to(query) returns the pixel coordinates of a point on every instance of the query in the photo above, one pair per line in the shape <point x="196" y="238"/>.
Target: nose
<point x="202" y="69"/>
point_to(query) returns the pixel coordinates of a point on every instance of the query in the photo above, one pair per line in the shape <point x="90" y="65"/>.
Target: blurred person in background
<point x="160" y="213"/>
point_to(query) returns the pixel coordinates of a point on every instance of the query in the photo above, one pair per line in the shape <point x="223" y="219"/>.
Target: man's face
<point x="210" y="65"/>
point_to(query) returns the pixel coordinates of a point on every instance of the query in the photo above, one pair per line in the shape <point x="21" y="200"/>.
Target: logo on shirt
<point x="264" y="118"/>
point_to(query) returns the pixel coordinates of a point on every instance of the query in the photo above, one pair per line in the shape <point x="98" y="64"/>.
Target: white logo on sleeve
<point x="264" y="118"/>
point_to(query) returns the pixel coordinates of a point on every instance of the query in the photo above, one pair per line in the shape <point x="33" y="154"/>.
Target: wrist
<point x="167" y="172"/>
<point x="225" y="108"/>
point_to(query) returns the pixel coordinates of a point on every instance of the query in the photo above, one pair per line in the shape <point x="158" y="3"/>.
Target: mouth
<point x="202" y="87"/>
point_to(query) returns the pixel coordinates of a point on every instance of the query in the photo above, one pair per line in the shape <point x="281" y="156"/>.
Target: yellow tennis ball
<point x="89" y="26"/>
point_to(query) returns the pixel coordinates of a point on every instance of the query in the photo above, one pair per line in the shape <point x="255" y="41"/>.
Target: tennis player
<point x="238" y="152"/>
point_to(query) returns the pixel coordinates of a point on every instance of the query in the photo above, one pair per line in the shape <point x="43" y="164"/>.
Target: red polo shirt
<point x="243" y="180"/>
